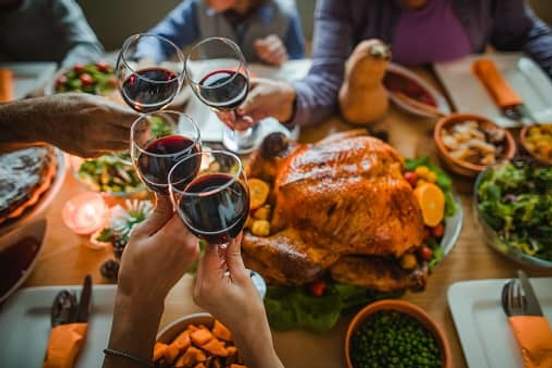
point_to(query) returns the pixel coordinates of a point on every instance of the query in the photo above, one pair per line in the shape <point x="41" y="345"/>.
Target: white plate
<point x="470" y="96"/>
<point x="440" y="100"/>
<point x="483" y="327"/>
<point x="210" y="126"/>
<point x="25" y="326"/>
<point x="29" y="77"/>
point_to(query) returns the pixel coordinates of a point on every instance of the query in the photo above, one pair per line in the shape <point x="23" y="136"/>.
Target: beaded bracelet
<point x="122" y="354"/>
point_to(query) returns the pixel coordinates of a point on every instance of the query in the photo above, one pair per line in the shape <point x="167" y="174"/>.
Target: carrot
<point x="6" y="85"/>
<point x="220" y="331"/>
<point x="232" y="350"/>
<point x="237" y="366"/>
<point x="215" y="347"/>
<point x="182" y="341"/>
<point x="201" y="336"/>
<point x="159" y="351"/>
<point x="171" y="353"/>
<point x="190" y="357"/>
<point x="200" y="365"/>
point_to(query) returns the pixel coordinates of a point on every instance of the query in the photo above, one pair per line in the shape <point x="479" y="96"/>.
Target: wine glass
<point x="146" y="82"/>
<point x="216" y="70"/>
<point x="214" y="204"/>
<point x="159" y="140"/>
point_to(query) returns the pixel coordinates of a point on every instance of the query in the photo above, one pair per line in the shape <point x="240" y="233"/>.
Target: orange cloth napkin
<point x="64" y="345"/>
<point x="498" y="87"/>
<point x="6" y="85"/>
<point x="534" y="336"/>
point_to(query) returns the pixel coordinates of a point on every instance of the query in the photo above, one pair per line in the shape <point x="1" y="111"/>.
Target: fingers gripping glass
<point x="147" y="81"/>
<point x="216" y="70"/>
<point x="160" y="140"/>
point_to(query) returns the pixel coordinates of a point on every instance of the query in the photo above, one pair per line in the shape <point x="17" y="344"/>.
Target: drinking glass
<point x="147" y="82"/>
<point x="216" y="70"/>
<point x="159" y="140"/>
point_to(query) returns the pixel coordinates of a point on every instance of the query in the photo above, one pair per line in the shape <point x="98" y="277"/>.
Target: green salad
<point x="97" y="78"/>
<point x="111" y="174"/>
<point x="515" y="200"/>
<point x="318" y="306"/>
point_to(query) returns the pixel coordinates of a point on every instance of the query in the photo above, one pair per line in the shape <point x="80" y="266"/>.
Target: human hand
<point x="159" y="252"/>
<point x="224" y="288"/>
<point x="85" y="125"/>
<point x="271" y="50"/>
<point x="266" y="98"/>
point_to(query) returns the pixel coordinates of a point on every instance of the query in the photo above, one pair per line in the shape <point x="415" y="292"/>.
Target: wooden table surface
<point x="66" y="258"/>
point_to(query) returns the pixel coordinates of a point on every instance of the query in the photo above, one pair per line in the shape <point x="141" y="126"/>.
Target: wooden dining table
<point x="66" y="258"/>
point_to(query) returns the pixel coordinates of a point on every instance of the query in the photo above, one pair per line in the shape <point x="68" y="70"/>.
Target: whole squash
<point x="363" y="98"/>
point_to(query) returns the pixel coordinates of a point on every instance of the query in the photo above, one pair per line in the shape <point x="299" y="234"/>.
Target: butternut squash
<point x="363" y="98"/>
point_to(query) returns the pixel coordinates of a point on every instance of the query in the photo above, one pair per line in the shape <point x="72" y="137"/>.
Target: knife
<point x="532" y="306"/>
<point x="506" y="98"/>
<point x="85" y="304"/>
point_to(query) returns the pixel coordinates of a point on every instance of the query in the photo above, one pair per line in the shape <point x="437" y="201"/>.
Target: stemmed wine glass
<point x="146" y="82"/>
<point x="161" y="139"/>
<point x="214" y="204"/>
<point x="216" y="70"/>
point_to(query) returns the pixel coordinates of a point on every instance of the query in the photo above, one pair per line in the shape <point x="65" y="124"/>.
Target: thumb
<point x="160" y="216"/>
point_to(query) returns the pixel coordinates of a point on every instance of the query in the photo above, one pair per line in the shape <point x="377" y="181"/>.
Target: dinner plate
<point x="439" y="100"/>
<point x="469" y="95"/>
<point x="482" y="326"/>
<point x="453" y="227"/>
<point x="25" y="326"/>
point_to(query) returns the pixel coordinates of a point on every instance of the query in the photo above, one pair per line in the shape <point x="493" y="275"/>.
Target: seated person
<point x="78" y="123"/>
<point x="223" y="287"/>
<point x="266" y="30"/>
<point x="55" y="30"/>
<point x="419" y="31"/>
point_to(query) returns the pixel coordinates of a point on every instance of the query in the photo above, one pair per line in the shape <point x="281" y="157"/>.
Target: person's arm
<point x="516" y="28"/>
<point x="180" y="26"/>
<point x="78" y="123"/>
<point x="317" y="93"/>
<point x="81" y="42"/>
<point x="160" y="243"/>
<point x="294" y="41"/>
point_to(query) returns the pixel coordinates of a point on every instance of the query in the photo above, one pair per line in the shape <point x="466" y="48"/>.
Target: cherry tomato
<point x="438" y="231"/>
<point x="318" y="288"/>
<point x="103" y="67"/>
<point x="78" y="68"/>
<point x="86" y="79"/>
<point x="62" y="79"/>
<point x="426" y="253"/>
<point x="411" y="177"/>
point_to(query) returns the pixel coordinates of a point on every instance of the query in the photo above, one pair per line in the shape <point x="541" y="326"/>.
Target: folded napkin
<point x="6" y="85"/>
<point x="64" y="345"/>
<point x="498" y="87"/>
<point x="534" y="336"/>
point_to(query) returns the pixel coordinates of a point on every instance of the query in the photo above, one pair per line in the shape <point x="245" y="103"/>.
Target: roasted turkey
<point x="341" y="206"/>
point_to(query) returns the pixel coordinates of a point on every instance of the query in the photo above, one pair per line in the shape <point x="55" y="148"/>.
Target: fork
<point x="513" y="300"/>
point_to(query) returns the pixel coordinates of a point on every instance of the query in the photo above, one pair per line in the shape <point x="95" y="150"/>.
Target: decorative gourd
<point x="363" y="98"/>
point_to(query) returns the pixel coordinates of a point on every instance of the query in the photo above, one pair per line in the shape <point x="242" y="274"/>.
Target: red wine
<point x="217" y="217"/>
<point x="161" y="155"/>
<point x="224" y="89"/>
<point x="150" y="89"/>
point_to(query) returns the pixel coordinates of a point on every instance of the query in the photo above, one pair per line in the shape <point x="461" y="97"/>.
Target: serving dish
<point x="408" y="309"/>
<point x="463" y="167"/>
<point x="483" y="328"/>
<point x="493" y="238"/>
<point x="173" y="329"/>
<point x="419" y="91"/>
<point x="523" y="140"/>
<point x="25" y="326"/>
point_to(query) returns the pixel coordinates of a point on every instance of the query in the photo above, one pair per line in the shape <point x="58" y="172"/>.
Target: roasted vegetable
<point x="258" y="191"/>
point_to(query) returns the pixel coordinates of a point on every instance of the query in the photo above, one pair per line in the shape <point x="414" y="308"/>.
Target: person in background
<point x="419" y="31"/>
<point x="78" y="123"/>
<point x="222" y="287"/>
<point x="53" y="30"/>
<point x="266" y="30"/>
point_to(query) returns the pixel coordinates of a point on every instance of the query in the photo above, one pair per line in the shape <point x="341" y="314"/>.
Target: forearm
<point x="20" y="124"/>
<point x="133" y="330"/>
<point x="539" y="43"/>
<point x="255" y="345"/>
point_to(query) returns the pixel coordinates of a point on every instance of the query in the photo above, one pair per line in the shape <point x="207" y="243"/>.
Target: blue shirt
<point x="193" y="20"/>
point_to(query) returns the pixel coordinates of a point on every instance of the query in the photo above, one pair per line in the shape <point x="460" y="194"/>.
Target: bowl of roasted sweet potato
<point x="196" y="341"/>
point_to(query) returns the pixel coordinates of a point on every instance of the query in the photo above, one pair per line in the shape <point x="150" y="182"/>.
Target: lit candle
<point x="85" y="213"/>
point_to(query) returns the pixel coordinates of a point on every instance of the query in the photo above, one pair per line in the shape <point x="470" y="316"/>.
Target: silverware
<point x="532" y="306"/>
<point x="85" y="305"/>
<point x="65" y="308"/>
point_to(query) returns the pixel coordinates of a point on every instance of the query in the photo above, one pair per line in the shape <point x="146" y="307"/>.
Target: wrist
<point x="255" y="344"/>
<point x="289" y="97"/>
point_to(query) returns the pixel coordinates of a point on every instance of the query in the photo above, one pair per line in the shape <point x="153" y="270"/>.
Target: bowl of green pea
<point x="395" y="333"/>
